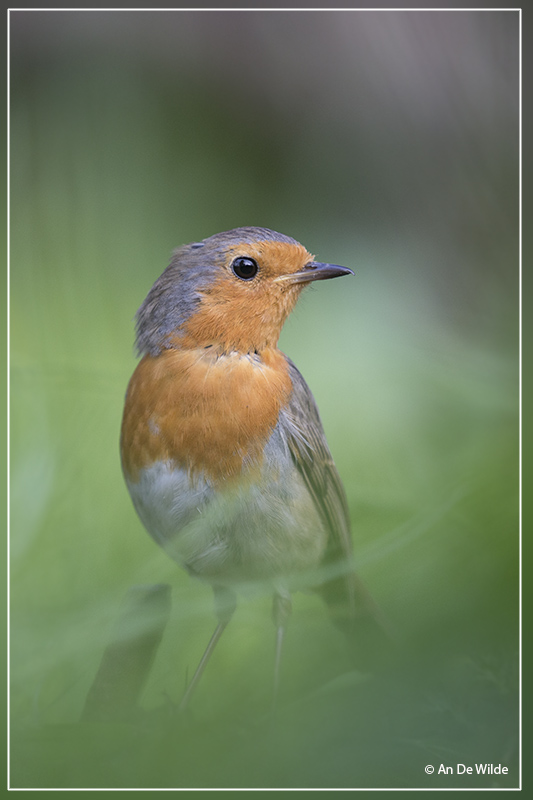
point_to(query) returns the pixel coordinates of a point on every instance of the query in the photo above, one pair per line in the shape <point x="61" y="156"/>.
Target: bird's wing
<point x="345" y="594"/>
<point x="311" y="455"/>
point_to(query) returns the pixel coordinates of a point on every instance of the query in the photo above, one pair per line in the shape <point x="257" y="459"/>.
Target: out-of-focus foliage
<point x="383" y="140"/>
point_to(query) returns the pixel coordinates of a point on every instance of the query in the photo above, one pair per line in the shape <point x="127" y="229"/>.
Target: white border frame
<point x="188" y="789"/>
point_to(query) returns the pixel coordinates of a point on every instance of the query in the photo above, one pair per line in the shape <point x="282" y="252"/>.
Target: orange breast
<point x="208" y="413"/>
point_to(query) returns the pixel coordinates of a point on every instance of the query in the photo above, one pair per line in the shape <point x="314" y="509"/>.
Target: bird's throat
<point x="234" y="318"/>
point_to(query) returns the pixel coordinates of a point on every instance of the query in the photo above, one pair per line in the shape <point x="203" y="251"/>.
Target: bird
<point x="222" y="447"/>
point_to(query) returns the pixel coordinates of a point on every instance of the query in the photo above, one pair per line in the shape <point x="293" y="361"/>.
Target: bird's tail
<point x="353" y="610"/>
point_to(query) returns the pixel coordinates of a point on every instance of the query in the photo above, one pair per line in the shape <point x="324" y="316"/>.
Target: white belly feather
<point x="267" y="531"/>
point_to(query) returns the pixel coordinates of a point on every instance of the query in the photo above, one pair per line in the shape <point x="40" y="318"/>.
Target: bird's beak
<point x="314" y="271"/>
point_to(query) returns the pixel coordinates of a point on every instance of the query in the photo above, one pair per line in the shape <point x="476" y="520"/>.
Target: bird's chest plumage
<point x="206" y="462"/>
<point x="208" y="413"/>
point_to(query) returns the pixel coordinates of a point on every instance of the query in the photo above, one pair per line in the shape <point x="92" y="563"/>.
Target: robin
<point x="222" y="447"/>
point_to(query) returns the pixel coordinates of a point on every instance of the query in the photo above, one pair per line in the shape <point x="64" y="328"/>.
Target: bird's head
<point x="232" y="291"/>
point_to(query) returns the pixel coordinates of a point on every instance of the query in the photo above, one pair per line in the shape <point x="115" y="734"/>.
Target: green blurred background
<point x="383" y="140"/>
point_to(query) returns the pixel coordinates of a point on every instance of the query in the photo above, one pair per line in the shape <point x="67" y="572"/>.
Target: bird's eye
<point x="245" y="268"/>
